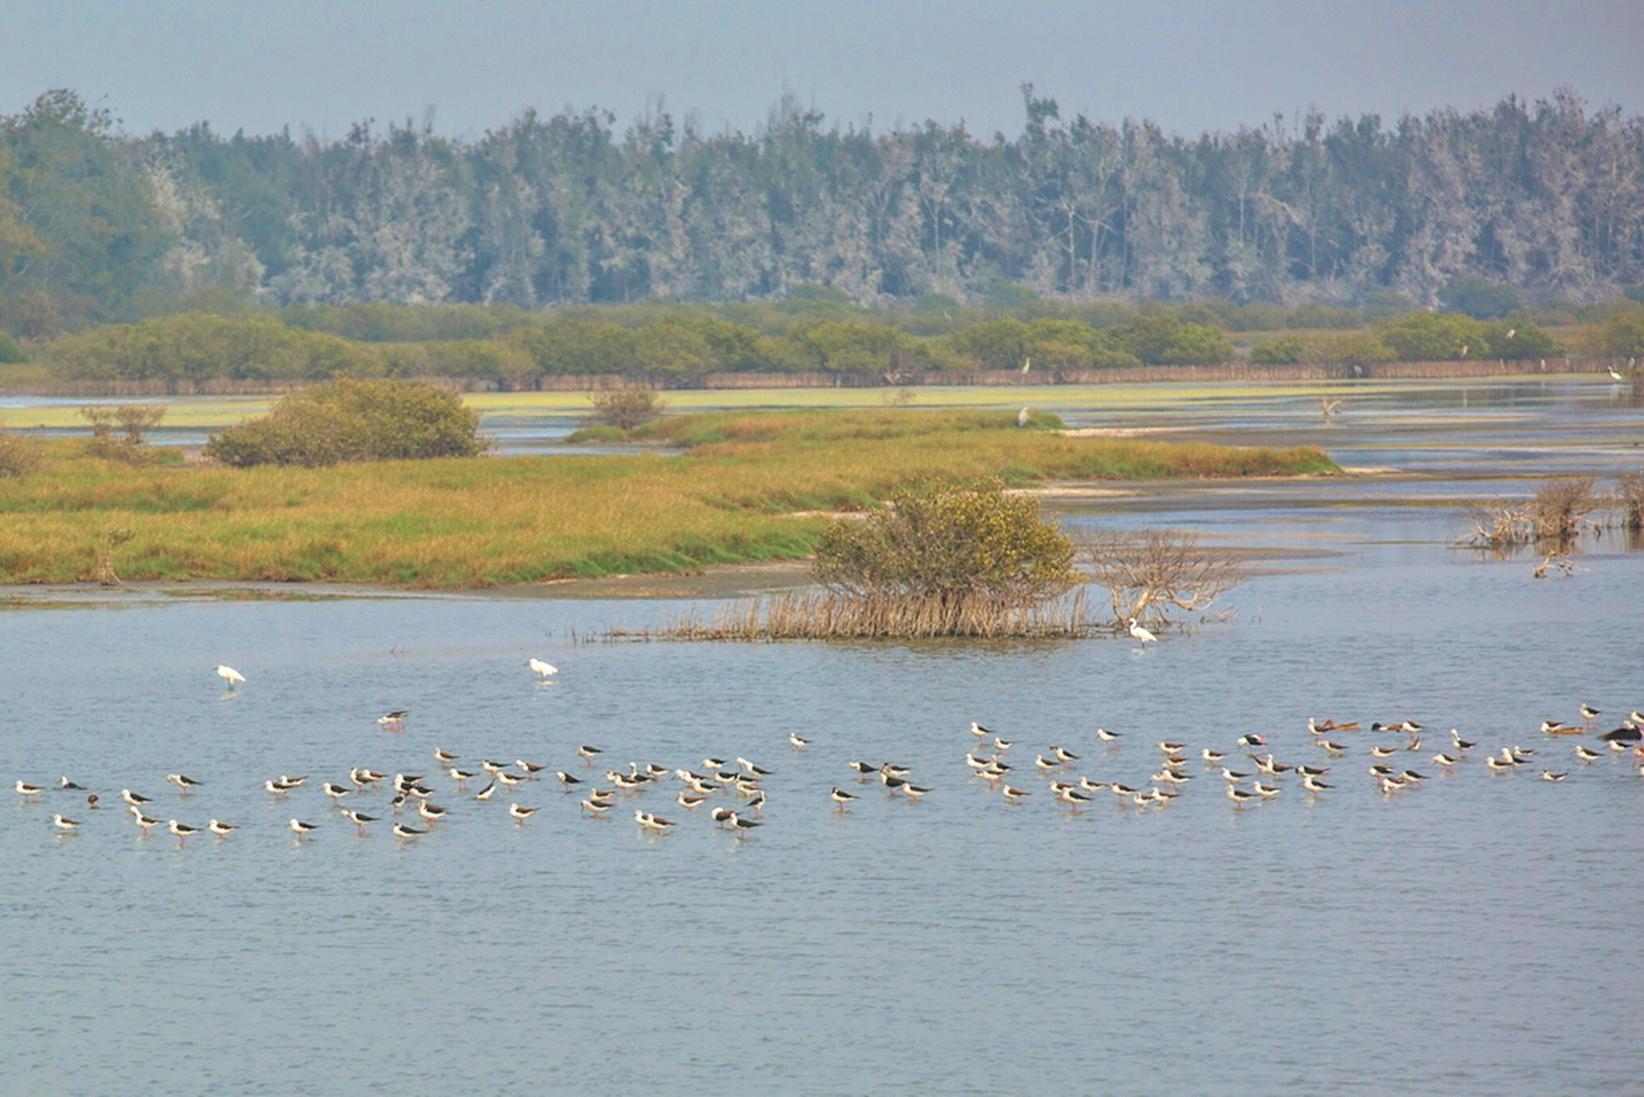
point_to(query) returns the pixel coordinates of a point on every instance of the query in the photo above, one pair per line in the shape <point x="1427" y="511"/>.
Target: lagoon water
<point x="1475" y="936"/>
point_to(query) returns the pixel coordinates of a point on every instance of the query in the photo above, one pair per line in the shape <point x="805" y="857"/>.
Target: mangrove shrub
<point x="948" y="544"/>
<point x="627" y="408"/>
<point x="1340" y="347"/>
<point x="117" y="432"/>
<point x="354" y="420"/>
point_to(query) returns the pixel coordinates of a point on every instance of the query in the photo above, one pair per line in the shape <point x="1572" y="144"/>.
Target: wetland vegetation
<point x="747" y="487"/>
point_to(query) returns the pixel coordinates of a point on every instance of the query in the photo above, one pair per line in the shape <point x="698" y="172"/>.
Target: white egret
<point x="542" y="670"/>
<point x="1022" y="417"/>
<point x="231" y="676"/>
<point x="1141" y="634"/>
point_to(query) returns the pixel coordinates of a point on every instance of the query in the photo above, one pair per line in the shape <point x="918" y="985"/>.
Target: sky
<point x="1190" y="65"/>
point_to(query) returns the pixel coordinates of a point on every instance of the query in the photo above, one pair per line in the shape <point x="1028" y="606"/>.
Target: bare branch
<point x="1148" y="571"/>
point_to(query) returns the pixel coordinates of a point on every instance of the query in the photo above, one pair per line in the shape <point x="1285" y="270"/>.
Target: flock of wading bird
<point x="741" y="781"/>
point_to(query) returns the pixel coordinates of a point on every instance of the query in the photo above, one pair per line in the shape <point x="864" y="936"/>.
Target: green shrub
<point x="1322" y="316"/>
<point x="1162" y="340"/>
<point x="1520" y="338"/>
<point x="353" y="420"/>
<point x="948" y="542"/>
<point x="1286" y="350"/>
<point x="993" y="344"/>
<point x="1622" y="335"/>
<point x="1346" y="347"/>
<point x="1478" y="297"/>
<point x="132" y="420"/>
<point x="10" y="350"/>
<point x="627" y="408"/>
<point x="197" y="346"/>
<point x="1432" y="337"/>
<point x="1387" y="304"/>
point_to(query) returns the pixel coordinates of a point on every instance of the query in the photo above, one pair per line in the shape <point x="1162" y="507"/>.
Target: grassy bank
<point x="734" y="496"/>
<point x="216" y="412"/>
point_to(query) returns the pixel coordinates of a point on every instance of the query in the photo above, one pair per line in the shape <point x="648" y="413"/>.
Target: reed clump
<point x="826" y="615"/>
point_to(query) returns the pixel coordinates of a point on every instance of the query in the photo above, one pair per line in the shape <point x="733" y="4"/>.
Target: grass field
<point x="736" y="495"/>
<point x="210" y="413"/>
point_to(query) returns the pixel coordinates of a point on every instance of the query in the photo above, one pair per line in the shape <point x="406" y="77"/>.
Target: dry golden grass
<point x="812" y="615"/>
<point x="491" y="521"/>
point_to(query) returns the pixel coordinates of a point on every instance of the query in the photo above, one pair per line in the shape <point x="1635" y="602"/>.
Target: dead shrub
<point x="1151" y="572"/>
<point x="1629" y="489"/>
<point x="1561" y="506"/>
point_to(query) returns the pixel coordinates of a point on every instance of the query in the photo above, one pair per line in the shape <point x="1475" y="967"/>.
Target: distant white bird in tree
<point x="543" y="670"/>
<point x="1022" y="418"/>
<point x="231" y="676"/>
<point x="1464" y="350"/>
<point x="1141" y="634"/>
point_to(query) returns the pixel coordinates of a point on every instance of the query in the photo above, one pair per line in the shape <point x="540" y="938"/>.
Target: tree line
<point x="680" y="346"/>
<point x="96" y="224"/>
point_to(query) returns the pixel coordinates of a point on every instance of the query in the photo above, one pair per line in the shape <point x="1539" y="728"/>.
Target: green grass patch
<point x="735" y="495"/>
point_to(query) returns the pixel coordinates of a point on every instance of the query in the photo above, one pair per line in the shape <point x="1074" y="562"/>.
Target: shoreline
<point x="1237" y="372"/>
<point x="711" y="582"/>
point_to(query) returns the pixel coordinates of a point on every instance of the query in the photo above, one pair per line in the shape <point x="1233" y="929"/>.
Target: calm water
<point x="1474" y="936"/>
<point x="1564" y="423"/>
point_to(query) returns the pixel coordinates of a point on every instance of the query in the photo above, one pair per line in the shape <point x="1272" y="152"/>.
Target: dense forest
<point x="98" y="225"/>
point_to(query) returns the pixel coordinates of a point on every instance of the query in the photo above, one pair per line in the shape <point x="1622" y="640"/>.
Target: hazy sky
<point x="1188" y="64"/>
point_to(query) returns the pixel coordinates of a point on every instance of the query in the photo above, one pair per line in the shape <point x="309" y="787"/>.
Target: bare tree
<point x="1629" y="488"/>
<point x="1152" y="571"/>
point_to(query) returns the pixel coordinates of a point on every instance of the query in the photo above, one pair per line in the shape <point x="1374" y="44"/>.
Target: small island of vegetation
<point x="738" y="488"/>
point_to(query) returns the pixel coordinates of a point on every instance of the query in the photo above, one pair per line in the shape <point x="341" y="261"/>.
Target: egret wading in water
<point x="1143" y="636"/>
<point x="231" y="676"/>
<point x="543" y="671"/>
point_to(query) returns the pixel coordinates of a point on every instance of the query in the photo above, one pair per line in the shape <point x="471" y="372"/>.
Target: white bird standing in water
<point x="1142" y="635"/>
<point x="543" y="670"/>
<point x="231" y="676"/>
